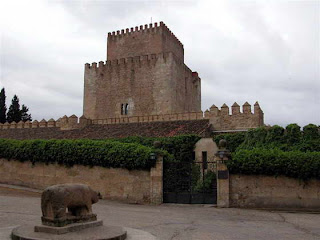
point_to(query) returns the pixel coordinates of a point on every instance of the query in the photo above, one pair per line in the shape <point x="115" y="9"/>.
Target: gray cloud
<point x="243" y="51"/>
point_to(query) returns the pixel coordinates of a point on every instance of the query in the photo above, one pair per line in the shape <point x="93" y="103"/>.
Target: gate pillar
<point x="222" y="175"/>
<point x="156" y="184"/>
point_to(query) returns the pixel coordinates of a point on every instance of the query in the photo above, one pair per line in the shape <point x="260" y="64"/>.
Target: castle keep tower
<point x="144" y="75"/>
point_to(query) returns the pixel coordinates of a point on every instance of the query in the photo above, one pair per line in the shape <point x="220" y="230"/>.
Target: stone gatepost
<point x="156" y="182"/>
<point x="223" y="181"/>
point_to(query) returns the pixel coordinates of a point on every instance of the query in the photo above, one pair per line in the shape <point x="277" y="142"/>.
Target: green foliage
<point x="17" y="114"/>
<point x="311" y="132"/>
<point x="233" y="139"/>
<point x="181" y="147"/>
<point x="25" y="116"/>
<point x="275" y="162"/>
<point x="276" y="151"/>
<point x="84" y="152"/>
<point x="177" y="162"/>
<point x="14" y="113"/>
<point x="293" y="133"/>
<point x="256" y="137"/>
<point x="195" y="175"/>
<point x="289" y="139"/>
<point x="3" y="107"/>
<point x="208" y="184"/>
<point x="275" y="135"/>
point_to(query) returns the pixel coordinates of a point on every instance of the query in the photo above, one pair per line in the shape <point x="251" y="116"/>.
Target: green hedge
<point x="181" y="147"/>
<point x="296" y="164"/>
<point x="290" y="138"/>
<point x="275" y="151"/>
<point x="234" y="140"/>
<point x="84" y="152"/>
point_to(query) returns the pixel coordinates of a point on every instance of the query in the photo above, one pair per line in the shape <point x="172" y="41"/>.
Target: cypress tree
<point x="14" y="113"/>
<point x="3" y="107"/>
<point x="24" y="114"/>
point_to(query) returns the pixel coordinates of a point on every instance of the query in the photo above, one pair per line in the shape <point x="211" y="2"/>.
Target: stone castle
<point x="144" y="75"/>
<point x="145" y="89"/>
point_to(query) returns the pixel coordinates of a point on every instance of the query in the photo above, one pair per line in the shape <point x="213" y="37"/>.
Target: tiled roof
<point x="147" y="129"/>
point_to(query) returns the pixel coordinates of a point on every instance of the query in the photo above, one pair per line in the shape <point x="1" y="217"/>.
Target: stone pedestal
<point x="68" y="219"/>
<point x="66" y="229"/>
<point x="102" y="232"/>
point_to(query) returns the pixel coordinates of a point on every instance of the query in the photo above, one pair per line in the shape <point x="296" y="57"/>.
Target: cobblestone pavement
<point x="172" y="222"/>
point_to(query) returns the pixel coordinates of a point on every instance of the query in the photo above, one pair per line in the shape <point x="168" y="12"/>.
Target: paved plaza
<point x="172" y="222"/>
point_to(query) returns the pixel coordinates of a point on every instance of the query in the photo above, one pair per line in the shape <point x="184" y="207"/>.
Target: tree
<point x="24" y="114"/>
<point x="3" y="107"/>
<point x="14" y="113"/>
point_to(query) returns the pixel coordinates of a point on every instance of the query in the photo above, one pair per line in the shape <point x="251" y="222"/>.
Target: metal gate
<point x="190" y="183"/>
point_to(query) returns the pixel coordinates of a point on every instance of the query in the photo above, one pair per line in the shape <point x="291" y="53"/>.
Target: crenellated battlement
<point x="143" y="40"/>
<point x="235" y="109"/>
<point x="138" y="61"/>
<point x="143" y="29"/>
<point x="64" y="123"/>
<point x="221" y="119"/>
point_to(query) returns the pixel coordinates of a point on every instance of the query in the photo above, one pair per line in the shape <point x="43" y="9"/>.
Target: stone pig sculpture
<point x="76" y="198"/>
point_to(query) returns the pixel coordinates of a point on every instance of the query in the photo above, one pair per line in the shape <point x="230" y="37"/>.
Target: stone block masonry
<point x="143" y="40"/>
<point x="220" y="120"/>
<point x="144" y="75"/>
<point x="134" y="186"/>
<point x="252" y="191"/>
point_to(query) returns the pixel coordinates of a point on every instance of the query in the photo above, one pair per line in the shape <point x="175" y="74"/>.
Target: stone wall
<point x="152" y="118"/>
<point x="144" y="40"/>
<point x="154" y="84"/>
<point x="222" y="119"/>
<point x="134" y="186"/>
<point x="144" y="75"/>
<point x="273" y="192"/>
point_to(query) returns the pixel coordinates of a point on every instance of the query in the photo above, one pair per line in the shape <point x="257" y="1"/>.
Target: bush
<point x="311" y="132"/>
<point x="275" y="135"/>
<point x="84" y="152"/>
<point x="181" y="147"/>
<point x="208" y="184"/>
<point x="289" y="139"/>
<point x="293" y="134"/>
<point x="295" y="164"/>
<point x="233" y="139"/>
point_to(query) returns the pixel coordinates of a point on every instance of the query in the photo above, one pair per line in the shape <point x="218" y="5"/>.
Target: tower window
<point x="124" y="109"/>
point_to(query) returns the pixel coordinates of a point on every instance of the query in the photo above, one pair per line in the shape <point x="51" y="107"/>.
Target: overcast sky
<point x="266" y="51"/>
